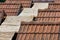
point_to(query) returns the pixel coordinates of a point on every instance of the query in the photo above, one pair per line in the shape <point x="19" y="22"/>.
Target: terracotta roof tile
<point x="38" y="37"/>
<point x="26" y="3"/>
<point x="38" y="32"/>
<point x="39" y="28"/>
<point x="48" y="19"/>
<point x="48" y="14"/>
<point x="55" y="6"/>
<point x="10" y="7"/>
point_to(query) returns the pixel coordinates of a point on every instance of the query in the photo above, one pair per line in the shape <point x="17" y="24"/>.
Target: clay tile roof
<point x="48" y="16"/>
<point x="26" y="3"/>
<point x="38" y="37"/>
<point x="12" y="7"/>
<point x="46" y="32"/>
<point x="55" y="6"/>
<point x="39" y="28"/>
<point x="46" y="26"/>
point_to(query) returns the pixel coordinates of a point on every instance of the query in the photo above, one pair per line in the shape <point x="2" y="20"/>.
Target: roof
<point x="31" y="29"/>
<point x="46" y="26"/>
<point x="38" y="32"/>
<point x="12" y="8"/>
<point x="38" y="37"/>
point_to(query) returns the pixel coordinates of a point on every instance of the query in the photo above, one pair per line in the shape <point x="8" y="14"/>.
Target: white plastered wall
<point x="29" y="12"/>
<point x="13" y="23"/>
<point x="40" y="6"/>
<point x="6" y="36"/>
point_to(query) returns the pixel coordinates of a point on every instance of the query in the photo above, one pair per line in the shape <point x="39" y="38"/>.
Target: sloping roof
<point x="31" y="29"/>
<point x="54" y="6"/>
<point x="12" y="7"/>
<point x="37" y="31"/>
<point x="38" y="37"/>
<point x="26" y="3"/>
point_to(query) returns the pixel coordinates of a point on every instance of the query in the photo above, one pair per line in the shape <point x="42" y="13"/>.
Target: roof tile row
<point x="12" y="7"/>
<point x="42" y="32"/>
<point x="35" y="32"/>
<point x="39" y="29"/>
<point x="48" y="14"/>
<point x="38" y="37"/>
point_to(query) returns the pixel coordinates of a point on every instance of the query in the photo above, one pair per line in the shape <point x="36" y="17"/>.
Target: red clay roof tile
<point x="37" y="37"/>
<point x="11" y="7"/>
<point x="39" y="28"/>
<point x="26" y="3"/>
<point x="38" y="32"/>
<point x="49" y="14"/>
<point x="55" y="6"/>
